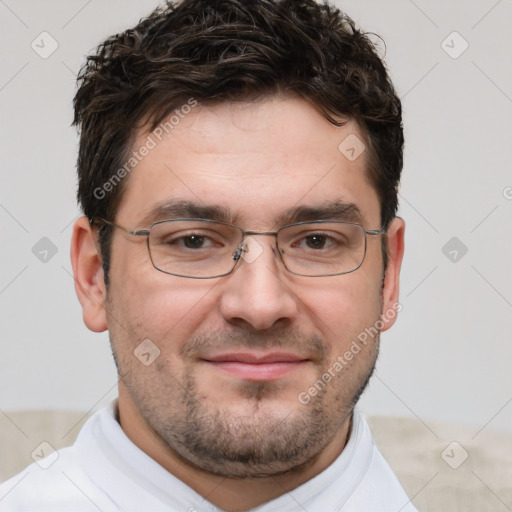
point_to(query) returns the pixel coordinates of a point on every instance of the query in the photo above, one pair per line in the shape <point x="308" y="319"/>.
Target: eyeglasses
<point x="204" y="249"/>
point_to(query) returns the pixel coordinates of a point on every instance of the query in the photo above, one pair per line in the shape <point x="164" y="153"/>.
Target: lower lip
<point x="261" y="371"/>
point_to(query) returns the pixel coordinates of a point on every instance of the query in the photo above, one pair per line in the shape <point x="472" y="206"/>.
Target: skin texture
<point x="240" y="442"/>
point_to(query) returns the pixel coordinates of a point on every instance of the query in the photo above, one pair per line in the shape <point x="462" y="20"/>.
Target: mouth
<point x="251" y="366"/>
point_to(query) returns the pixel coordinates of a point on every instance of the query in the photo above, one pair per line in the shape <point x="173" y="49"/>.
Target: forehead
<point x="255" y="162"/>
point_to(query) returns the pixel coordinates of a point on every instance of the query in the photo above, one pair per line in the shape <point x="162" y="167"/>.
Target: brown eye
<point x="193" y="241"/>
<point x="316" y="241"/>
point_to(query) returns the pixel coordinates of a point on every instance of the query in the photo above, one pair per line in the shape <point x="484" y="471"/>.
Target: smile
<point x="251" y="367"/>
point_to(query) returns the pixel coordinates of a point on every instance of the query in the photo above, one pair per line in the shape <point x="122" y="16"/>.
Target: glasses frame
<point x="244" y="233"/>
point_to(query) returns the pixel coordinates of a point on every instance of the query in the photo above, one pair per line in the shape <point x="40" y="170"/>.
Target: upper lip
<point x="252" y="358"/>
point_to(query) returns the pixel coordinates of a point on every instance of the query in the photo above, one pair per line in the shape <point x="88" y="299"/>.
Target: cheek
<point x="158" y="306"/>
<point x="344" y="307"/>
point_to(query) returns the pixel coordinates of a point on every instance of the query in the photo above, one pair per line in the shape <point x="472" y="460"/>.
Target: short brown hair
<point x="225" y="50"/>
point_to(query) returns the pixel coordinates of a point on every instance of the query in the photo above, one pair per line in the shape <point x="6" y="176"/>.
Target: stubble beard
<point x="258" y="445"/>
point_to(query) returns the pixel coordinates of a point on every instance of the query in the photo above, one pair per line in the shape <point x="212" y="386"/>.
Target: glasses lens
<point x="322" y="248"/>
<point x="193" y="248"/>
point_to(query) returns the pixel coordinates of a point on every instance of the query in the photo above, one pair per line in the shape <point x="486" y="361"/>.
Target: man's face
<point x="256" y="160"/>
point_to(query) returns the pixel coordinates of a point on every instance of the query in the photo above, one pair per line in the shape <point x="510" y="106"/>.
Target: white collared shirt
<point x="104" y="471"/>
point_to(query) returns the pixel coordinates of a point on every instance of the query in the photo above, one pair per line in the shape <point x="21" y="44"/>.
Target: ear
<point x="390" y="290"/>
<point x="88" y="274"/>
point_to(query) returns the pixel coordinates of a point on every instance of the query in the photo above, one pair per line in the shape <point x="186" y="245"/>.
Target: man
<point x="238" y="172"/>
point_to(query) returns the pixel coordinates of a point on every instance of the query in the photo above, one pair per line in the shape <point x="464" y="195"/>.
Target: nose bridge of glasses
<point x="249" y="248"/>
<point x="264" y="233"/>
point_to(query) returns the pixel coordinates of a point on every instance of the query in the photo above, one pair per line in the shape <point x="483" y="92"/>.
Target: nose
<point x="257" y="294"/>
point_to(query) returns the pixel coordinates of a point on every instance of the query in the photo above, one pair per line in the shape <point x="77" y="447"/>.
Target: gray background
<point x="449" y="355"/>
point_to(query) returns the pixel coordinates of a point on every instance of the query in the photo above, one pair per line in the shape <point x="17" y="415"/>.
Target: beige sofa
<point x="443" y="468"/>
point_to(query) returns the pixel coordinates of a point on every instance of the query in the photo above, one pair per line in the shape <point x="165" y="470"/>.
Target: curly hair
<point x="228" y="50"/>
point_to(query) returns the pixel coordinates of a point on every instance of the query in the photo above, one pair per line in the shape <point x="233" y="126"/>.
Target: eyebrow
<point x="175" y="209"/>
<point x="331" y="210"/>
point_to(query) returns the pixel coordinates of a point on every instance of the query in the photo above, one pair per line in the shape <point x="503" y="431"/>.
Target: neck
<point x="229" y="494"/>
